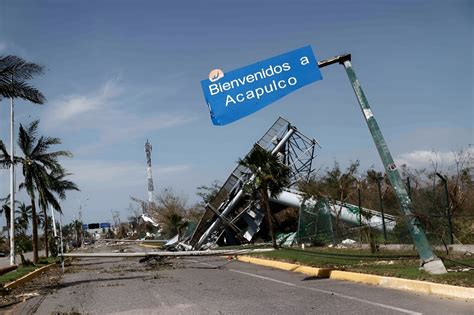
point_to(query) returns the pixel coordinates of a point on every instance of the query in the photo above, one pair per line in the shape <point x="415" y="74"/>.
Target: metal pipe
<point x="179" y="253"/>
<point x="345" y="211"/>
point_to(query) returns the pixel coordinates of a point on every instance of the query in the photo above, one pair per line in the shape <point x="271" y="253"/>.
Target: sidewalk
<point x="5" y="261"/>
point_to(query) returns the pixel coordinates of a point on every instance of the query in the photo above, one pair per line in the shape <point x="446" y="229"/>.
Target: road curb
<point x="312" y="271"/>
<point x="417" y="286"/>
<point x="149" y="246"/>
<point x="35" y="273"/>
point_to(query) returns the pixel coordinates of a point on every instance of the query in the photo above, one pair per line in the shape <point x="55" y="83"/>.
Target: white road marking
<point x="401" y="310"/>
<point x="262" y="277"/>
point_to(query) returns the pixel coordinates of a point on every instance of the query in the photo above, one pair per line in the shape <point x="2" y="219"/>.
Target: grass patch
<point x="15" y="274"/>
<point x="401" y="264"/>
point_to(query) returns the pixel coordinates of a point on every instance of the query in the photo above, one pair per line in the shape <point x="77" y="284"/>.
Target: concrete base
<point x="435" y="267"/>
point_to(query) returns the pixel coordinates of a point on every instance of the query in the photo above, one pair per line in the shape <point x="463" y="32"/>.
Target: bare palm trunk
<point x="45" y="232"/>
<point x="264" y="193"/>
<point x="34" y="224"/>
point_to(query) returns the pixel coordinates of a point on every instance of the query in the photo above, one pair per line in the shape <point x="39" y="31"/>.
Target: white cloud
<point x="109" y="112"/>
<point x="419" y="159"/>
<point x="71" y="107"/>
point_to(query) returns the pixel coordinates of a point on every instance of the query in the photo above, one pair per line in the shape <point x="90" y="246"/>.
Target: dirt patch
<point x="39" y="286"/>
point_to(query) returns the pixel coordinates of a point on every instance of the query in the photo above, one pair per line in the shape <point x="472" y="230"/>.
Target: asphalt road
<point x="214" y="285"/>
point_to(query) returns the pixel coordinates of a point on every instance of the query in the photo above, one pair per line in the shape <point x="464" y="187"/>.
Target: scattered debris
<point x="459" y="269"/>
<point x="44" y="284"/>
<point x="348" y="241"/>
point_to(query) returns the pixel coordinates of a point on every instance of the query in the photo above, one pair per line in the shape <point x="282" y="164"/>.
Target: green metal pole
<point x="429" y="260"/>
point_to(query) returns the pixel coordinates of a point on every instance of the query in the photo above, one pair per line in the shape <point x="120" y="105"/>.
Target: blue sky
<point x="121" y="72"/>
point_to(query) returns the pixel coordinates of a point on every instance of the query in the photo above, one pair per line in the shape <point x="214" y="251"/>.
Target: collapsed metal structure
<point x="231" y="216"/>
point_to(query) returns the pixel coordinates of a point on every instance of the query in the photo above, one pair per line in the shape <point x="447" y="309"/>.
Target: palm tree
<point x="14" y="71"/>
<point x="270" y="176"/>
<point x="56" y="182"/>
<point x="37" y="166"/>
<point x="6" y="210"/>
<point x="23" y="217"/>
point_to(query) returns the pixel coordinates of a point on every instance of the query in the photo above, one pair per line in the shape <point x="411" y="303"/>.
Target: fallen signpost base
<point x="174" y="254"/>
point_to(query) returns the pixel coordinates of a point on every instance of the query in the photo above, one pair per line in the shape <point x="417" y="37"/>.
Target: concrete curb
<point x="35" y="273"/>
<point x="312" y="271"/>
<point x="417" y="286"/>
<point x="149" y="246"/>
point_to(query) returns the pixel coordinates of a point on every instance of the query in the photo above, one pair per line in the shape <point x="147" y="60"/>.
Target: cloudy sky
<point x="121" y="72"/>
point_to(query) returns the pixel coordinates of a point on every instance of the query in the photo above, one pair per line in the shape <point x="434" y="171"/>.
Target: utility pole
<point x="151" y="199"/>
<point x="448" y="212"/>
<point x="61" y="242"/>
<point x="12" y="184"/>
<point x="430" y="262"/>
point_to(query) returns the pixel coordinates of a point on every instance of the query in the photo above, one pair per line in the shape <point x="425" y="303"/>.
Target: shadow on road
<point x="312" y="278"/>
<point x="70" y="284"/>
<point x="205" y="268"/>
<point x="81" y="264"/>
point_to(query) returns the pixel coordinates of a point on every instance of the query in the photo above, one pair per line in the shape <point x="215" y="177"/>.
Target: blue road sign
<point x="85" y="226"/>
<point x="239" y="93"/>
<point x="105" y="225"/>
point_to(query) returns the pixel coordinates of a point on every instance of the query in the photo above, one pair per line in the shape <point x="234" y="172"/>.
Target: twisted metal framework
<point x="234" y="215"/>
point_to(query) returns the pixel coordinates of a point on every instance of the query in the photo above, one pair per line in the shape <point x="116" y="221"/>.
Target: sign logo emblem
<point x="215" y="75"/>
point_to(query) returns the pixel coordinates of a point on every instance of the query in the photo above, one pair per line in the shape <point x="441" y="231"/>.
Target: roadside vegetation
<point x="402" y="264"/>
<point x="433" y="202"/>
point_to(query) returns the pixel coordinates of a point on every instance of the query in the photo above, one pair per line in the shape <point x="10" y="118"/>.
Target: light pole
<point x="448" y="212"/>
<point x="12" y="184"/>
<point x="429" y="260"/>
<point x="61" y="242"/>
